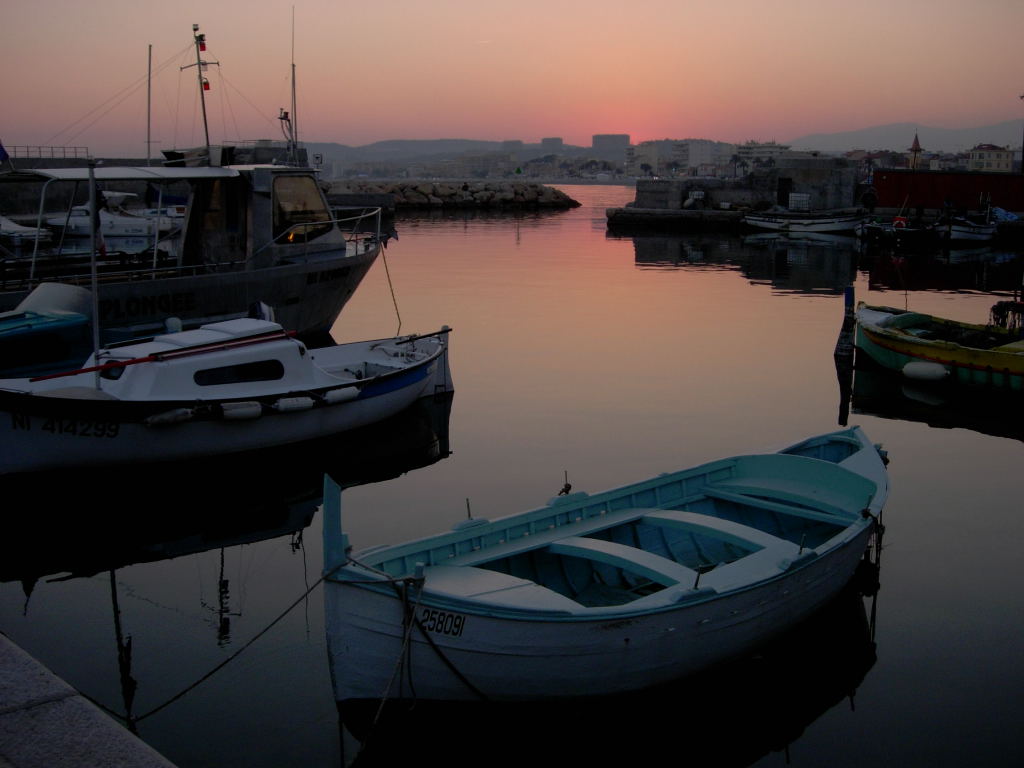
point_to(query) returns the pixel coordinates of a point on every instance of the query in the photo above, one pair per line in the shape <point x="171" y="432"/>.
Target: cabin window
<point x="300" y="214"/>
<point x="263" y="370"/>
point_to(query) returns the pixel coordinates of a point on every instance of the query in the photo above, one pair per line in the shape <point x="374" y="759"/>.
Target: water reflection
<point x="147" y="514"/>
<point x="822" y="264"/>
<point x="940" y="405"/>
<point x="981" y="269"/>
<point x="731" y="716"/>
<point x="193" y="507"/>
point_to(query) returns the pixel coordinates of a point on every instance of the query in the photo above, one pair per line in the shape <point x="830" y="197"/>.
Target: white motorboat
<point x="19" y="235"/>
<point x="115" y="220"/>
<point x="805" y="222"/>
<point x="226" y="387"/>
<point x="605" y="593"/>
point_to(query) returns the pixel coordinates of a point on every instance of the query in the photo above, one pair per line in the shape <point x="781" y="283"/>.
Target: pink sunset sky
<point x="733" y="70"/>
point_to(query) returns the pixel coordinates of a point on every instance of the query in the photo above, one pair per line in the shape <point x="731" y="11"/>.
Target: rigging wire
<point x="105" y="107"/>
<point x="270" y="121"/>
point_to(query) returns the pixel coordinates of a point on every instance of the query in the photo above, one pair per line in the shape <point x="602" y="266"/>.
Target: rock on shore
<point x="470" y="194"/>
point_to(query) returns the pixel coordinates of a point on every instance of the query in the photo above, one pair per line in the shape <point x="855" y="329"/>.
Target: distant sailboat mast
<point x="289" y="121"/>
<point x="149" y="105"/>
<point x="295" y="113"/>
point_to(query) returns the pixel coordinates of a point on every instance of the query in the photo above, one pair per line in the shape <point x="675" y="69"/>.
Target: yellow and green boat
<point x="926" y="347"/>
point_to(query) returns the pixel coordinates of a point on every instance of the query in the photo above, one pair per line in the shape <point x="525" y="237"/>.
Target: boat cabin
<point x="235" y="216"/>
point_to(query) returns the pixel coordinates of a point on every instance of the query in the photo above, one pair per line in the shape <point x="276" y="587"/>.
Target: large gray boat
<point x="246" y="234"/>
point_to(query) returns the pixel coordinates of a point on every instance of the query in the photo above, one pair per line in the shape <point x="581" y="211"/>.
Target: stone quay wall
<point x="454" y="194"/>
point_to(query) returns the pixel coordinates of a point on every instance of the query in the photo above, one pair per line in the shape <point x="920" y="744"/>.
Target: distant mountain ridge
<point x="895" y="137"/>
<point x="898" y="137"/>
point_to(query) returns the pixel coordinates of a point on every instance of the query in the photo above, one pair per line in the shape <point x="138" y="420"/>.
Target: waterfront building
<point x="694" y="155"/>
<point x="988" y="158"/>
<point x="642" y="159"/>
<point x="759" y="152"/>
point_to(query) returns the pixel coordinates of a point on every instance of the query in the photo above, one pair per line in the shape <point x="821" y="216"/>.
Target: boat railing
<point x="361" y="228"/>
<point x="130" y="267"/>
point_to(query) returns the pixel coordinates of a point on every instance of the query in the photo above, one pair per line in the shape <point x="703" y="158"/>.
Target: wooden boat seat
<point x="772" y="557"/>
<point x="650" y="566"/>
<point x="726" y="530"/>
<point x="496" y="589"/>
<point x="739" y="496"/>
<point x="795" y="485"/>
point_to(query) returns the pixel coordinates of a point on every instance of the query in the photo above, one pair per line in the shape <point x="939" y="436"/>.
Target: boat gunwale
<point x="674" y="598"/>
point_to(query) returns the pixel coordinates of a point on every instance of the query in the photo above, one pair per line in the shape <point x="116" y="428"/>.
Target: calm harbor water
<point x="609" y="358"/>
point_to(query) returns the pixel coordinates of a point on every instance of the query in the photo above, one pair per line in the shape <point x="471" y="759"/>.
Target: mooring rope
<point x="221" y="665"/>
<point x="394" y="300"/>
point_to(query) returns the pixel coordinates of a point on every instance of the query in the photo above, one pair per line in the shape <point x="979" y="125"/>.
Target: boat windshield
<point x="300" y="214"/>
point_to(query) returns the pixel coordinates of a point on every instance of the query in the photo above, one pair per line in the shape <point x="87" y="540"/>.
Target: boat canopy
<point x="121" y="173"/>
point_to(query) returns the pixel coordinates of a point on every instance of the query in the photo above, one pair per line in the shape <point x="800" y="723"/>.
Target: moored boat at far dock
<point x="806" y="221"/>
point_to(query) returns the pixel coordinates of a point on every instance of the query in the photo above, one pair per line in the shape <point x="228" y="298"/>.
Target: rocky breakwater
<point x="498" y="195"/>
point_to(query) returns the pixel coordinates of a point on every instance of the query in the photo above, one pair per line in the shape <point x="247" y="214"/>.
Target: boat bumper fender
<point x="341" y="395"/>
<point x="246" y="409"/>
<point x="289" y="404"/>
<point x="922" y="371"/>
<point x="173" y="416"/>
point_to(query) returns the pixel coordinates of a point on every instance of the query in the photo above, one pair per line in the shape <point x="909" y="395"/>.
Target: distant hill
<point x="899" y="136"/>
<point x="418" y="150"/>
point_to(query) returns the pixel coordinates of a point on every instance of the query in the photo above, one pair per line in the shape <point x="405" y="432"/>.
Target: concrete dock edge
<point x="45" y="723"/>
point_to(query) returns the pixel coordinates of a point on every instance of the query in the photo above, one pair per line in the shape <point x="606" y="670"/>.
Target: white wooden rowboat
<point x="604" y="593"/>
<point x="226" y="387"/>
<point x="805" y="222"/>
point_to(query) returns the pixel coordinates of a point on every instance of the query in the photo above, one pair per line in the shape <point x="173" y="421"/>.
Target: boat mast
<point x="204" y="84"/>
<point x="94" y="239"/>
<point x="289" y="121"/>
<point x="295" y="114"/>
<point x="149" y="105"/>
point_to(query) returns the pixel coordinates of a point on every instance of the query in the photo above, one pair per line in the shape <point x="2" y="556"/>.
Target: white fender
<point x="247" y="409"/>
<point x="922" y="371"/>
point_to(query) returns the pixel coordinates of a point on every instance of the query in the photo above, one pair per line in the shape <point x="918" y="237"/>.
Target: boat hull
<point x="307" y="295"/>
<point x="509" y="659"/>
<point x="804" y="224"/>
<point x="896" y="350"/>
<point x="965" y="231"/>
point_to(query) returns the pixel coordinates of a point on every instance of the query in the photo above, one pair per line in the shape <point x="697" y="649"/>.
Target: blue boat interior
<point x="591" y="576"/>
<point x="677" y="537"/>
